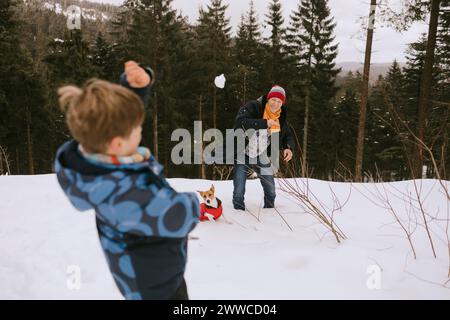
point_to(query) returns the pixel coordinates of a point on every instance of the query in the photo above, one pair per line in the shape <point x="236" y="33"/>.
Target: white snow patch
<point x="41" y="236"/>
<point x="89" y="14"/>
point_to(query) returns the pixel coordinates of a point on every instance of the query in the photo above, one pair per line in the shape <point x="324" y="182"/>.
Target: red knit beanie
<point x="277" y="92"/>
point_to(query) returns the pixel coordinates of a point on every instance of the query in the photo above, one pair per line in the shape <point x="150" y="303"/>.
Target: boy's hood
<point x="68" y="157"/>
<point x="79" y="179"/>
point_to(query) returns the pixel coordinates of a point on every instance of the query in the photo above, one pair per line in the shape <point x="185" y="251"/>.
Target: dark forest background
<point x="38" y="54"/>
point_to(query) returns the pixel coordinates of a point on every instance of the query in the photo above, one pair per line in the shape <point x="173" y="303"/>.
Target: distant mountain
<point x="376" y="69"/>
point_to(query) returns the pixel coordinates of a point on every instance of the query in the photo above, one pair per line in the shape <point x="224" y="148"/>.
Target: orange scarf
<point x="268" y="114"/>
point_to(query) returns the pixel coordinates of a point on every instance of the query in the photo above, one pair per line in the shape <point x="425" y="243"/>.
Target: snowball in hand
<point x="220" y="81"/>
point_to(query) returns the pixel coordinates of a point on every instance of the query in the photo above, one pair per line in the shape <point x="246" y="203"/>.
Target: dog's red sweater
<point x="215" y="212"/>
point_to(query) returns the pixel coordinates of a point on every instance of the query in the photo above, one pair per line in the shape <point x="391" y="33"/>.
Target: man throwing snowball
<point x="267" y="116"/>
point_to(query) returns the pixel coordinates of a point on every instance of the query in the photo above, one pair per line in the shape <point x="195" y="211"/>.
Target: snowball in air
<point x="220" y="81"/>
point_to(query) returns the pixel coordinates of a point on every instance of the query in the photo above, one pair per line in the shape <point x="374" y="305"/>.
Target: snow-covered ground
<point x="50" y="251"/>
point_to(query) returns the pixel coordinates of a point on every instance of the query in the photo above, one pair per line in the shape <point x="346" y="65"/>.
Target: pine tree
<point x="157" y="37"/>
<point x="69" y="59"/>
<point x="313" y="52"/>
<point x="346" y="116"/>
<point x="8" y="67"/>
<point x="104" y="57"/>
<point x="249" y="55"/>
<point x="443" y="99"/>
<point x="275" y="65"/>
<point x="404" y="95"/>
<point x="443" y="50"/>
<point x="385" y="151"/>
<point x="213" y="57"/>
<point x="350" y="81"/>
<point x="24" y="121"/>
<point x="120" y="30"/>
<point x="214" y="51"/>
<point x="418" y="10"/>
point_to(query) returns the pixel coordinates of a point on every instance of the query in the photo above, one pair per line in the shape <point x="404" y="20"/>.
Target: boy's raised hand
<point x="136" y="76"/>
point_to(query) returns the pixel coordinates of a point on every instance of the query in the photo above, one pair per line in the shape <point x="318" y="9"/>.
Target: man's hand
<point x="271" y="123"/>
<point x="287" y="154"/>
<point x="136" y="76"/>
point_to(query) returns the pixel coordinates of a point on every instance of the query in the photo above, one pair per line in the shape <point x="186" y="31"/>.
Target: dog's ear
<point x="201" y="193"/>
<point x="212" y="188"/>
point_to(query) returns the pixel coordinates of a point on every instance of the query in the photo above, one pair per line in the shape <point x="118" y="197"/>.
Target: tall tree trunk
<point x="5" y="158"/>
<point x="443" y="159"/>
<point x="364" y="94"/>
<point x="202" y="165"/>
<point x="425" y="86"/>
<point x="245" y="86"/>
<point x="154" y="61"/>
<point x="1" y="161"/>
<point x="166" y="158"/>
<point x="305" y="135"/>
<point x="29" y="146"/>
<point x="215" y="92"/>
<point x="155" y="127"/>
<point x="215" y="107"/>
<point x="215" y="121"/>
<point x="17" y="161"/>
<point x="307" y="110"/>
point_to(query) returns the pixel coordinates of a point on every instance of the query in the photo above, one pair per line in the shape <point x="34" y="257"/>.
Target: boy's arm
<point x="161" y="213"/>
<point x="139" y="79"/>
<point x="159" y="210"/>
<point x="180" y="217"/>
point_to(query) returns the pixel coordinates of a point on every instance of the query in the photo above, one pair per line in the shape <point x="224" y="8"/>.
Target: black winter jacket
<point x="250" y="116"/>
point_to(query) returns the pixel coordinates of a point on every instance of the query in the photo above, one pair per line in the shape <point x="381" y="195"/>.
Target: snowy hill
<point x="44" y="242"/>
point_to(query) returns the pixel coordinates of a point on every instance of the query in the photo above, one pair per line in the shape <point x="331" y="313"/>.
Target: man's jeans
<point x="265" y="174"/>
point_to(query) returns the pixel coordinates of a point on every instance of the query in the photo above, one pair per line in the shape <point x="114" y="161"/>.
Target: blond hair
<point x="99" y="112"/>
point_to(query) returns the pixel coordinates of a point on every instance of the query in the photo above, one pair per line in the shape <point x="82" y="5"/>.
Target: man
<point x="267" y="116"/>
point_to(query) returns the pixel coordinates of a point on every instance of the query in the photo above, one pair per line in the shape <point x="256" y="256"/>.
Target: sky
<point x="387" y="46"/>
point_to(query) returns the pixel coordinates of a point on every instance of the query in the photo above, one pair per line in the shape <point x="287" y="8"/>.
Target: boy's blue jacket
<point x="142" y="222"/>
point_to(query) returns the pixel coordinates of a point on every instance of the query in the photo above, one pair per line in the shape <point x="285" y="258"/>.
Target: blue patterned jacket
<point x="142" y="222"/>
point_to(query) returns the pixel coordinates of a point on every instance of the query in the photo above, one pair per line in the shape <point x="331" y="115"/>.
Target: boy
<point x="142" y="222"/>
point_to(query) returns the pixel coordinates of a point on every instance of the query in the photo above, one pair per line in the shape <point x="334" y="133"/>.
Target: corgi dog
<point x="211" y="209"/>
